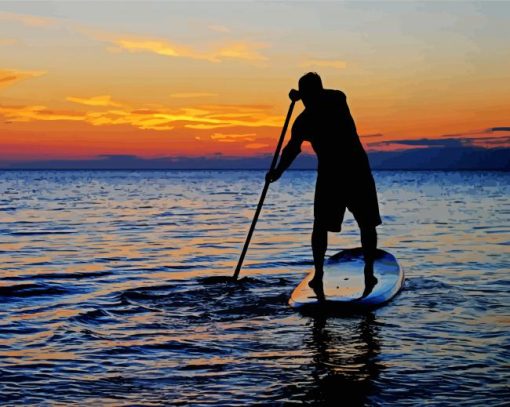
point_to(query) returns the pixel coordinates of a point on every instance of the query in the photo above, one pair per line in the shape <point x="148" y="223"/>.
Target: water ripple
<point x="106" y="296"/>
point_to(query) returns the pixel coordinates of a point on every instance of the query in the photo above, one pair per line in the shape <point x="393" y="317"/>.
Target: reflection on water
<point x="345" y="363"/>
<point x="103" y="299"/>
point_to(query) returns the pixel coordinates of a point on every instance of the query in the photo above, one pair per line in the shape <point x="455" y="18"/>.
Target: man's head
<point x="310" y="87"/>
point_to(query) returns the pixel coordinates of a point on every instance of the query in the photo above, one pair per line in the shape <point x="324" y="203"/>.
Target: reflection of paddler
<point x="344" y="178"/>
<point x="345" y="366"/>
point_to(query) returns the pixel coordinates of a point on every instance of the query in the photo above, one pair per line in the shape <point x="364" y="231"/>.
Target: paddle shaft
<point x="264" y="192"/>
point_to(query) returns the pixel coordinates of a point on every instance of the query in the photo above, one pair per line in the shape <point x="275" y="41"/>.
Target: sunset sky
<point x="163" y="79"/>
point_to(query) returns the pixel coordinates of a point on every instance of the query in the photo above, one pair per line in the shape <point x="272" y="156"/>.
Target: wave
<point x="32" y="290"/>
<point x="42" y="233"/>
<point x="63" y="276"/>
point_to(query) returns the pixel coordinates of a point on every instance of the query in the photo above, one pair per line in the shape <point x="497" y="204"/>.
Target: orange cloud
<point x="154" y="120"/>
<point x="28" y="20"/>
<point x="159" y="118"/>
<point x="247" y="51"/>
<point x="192" y="95"/>
<point x="232" y="138"/>
<point x="242" y="50"/>
<point x="10" y="76"/>
<point x="256" y="145"/>
<point x="158" y="47"/>
<point x="37" y="113"/>
<point x="103" y="100"/>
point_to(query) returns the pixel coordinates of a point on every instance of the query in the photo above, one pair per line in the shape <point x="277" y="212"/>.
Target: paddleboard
<point x="346" y="283"/>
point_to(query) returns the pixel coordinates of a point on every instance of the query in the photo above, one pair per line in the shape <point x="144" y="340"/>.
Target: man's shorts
<point x="358" y="195"/>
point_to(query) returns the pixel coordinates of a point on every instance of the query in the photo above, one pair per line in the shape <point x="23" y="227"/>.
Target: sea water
<point x="103" y="300"/>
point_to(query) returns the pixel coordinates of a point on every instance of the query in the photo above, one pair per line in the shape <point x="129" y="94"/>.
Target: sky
<point x="152" y="79"/>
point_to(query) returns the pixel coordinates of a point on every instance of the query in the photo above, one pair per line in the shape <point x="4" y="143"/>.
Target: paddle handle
<point x="264" y="192"/>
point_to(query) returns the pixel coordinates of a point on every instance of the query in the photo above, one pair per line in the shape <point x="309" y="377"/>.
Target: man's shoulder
<point x="335" y="94"/>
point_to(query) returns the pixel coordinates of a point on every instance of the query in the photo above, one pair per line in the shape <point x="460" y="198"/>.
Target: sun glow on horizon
<point x="82" y="84"/>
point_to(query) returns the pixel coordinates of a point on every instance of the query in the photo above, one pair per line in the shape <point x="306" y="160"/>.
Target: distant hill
<point x="449" y="158"/>
<point x="430" y="158"/>
<point x="433" y="158"/>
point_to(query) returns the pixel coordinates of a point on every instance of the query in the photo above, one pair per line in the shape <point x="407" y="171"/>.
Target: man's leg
<point x="319" y="246"/>
<point x="369" y="243"/>
<point x="369" y="246"/>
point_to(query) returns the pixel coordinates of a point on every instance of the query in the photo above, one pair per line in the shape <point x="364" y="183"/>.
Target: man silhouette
<point x="344" y="178"/>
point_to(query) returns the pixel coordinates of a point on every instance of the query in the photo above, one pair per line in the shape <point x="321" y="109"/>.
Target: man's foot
<point x="370" y="280"/>
<point x="315" y="283"/>
<point x="317" y="286"/>
<point x="370" y="283"/>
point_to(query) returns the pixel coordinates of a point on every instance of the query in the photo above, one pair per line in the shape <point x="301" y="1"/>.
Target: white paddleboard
<point x="344" y="282"/>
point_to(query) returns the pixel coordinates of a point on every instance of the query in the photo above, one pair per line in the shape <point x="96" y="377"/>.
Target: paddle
<point x="264" y="192"/>
<point x="215" y="279"/>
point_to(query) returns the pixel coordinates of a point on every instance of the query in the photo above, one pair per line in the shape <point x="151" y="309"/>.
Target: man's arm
<point x="289" y="153"/>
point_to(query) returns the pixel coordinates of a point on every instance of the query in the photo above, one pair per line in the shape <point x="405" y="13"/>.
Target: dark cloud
<point x="424" y="142"/>
<point x="482" y="138"/>
<point x="491" y="141"/>
<point x="470" y="134"/>
<point x="118" y="157"/>
<point x="375" y="135"/>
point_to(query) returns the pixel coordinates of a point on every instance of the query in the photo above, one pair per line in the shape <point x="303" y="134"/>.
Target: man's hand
<point x="294" y="95"/>
<point x="273" y="175"/>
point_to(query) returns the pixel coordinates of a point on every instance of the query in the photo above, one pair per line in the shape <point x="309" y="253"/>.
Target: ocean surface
<point x="103" y="299"/>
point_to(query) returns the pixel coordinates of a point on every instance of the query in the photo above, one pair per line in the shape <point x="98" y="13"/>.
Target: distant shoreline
<point x="428" y="159"/>
<point x="251" y="169"/>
